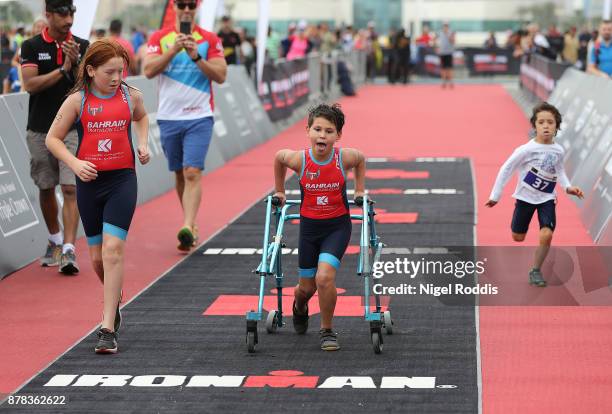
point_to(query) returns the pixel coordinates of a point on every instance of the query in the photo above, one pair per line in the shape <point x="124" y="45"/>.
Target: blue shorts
<point x="185" y="143"/>
<point x="523" y="212"/>
<point x="322" y="241"/>
<point x="107" y="204"/>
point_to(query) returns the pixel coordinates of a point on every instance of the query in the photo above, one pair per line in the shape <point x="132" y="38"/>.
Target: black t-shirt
<point x="45" y="53"/>
<point x="231" y="43"/>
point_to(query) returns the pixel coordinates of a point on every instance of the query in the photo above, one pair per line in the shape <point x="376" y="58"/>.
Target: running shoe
<point x="300" y="321"/>
<point x="535" y="278"/>
<point x="329" y="340"/>
<point x="68" y="263"/>
<point x="52" y="255"/>
<point x="186" y="239"/>
<point x="107" y="342"/>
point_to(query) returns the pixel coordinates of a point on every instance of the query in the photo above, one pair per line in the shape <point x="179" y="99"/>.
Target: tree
<point x="13" y="13"/>
<point x="143" y="16"/>
<point x="542" y="14"/>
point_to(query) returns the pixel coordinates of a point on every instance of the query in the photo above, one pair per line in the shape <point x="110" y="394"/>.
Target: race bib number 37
<point x="539" y="183"/>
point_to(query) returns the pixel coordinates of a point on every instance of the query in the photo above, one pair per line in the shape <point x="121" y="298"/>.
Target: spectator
<point x="517" y="43"/>
<point x="5" y="47"/>
<point x="98" y="34"/>
<point x="247" y="50"/>
<point x="348" y="39"/>
<point x="372" y="29"/>
<point x="446" y="48"/>
<point x="12" y="83"/>
<point x="37" y="27"/>
<point x="286" y="42"/>
<point x="140" y="55"/>
<point x="19" y="38"/>
<point x="372" y="48"/>
<point x="425" y="39"/>
<point x="230" y="39"/>
<point x="313" y="34"/>
<point x="555" y="40"/>
<point x="361" y="40"/>
<point x="185" y="113"/>
<point x="583" y="50"/>
<point x="491" y="42"/>
<point x="138" y="39"/>
<point x="114" y="30"/>
<point x="571" y="45"/>
<point x="401" y="51"/>
<point x="5" y="42"/>
<point x="48" y="63"/>
<point x="539" y="43"/>
<point x="328" y="45"/>
<point x="583" y="39"/>
<point x="273" y="45"/>
<point x="594" y="36"/>
<point x="600" y="62"/>
<point x="300" y="45"/>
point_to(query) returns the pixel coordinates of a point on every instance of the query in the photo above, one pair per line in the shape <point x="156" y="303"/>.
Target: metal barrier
<point x="539" y="75"/>
<point x="586" y="135"/>
<point x="287" y="85"/>
<point x="497" y="61"/>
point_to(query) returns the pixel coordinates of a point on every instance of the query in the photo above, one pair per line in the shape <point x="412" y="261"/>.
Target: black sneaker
<point x="117" y="323"/>
<point x="300" y="321"/>
<point x="186" y="239"/>
<point x="329" y="340"/>
<point x="107" y="342"/>
<point x="535" y="278"/>
<point x="68" y="263"/>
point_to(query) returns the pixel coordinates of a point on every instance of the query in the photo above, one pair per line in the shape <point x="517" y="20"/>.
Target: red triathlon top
<point x="105" y="132"/>
<point x="323" y="186"/>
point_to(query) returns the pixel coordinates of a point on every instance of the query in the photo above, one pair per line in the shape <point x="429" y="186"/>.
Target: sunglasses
<point x="64" y="10"/>
<point x="191" y="6"/>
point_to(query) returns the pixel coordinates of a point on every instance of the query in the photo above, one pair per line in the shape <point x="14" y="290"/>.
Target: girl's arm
<point x="285" y="159"/>
<point x="505" y="173"/>
<point x="352" y="158"/>
<point x="64" y="120"/>
<point x="141" y="121"/>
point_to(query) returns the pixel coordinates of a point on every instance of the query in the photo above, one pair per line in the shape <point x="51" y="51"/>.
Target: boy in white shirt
<point x="540" y="165"/>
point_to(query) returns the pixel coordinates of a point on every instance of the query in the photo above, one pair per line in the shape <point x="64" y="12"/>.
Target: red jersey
<point x="323" y="186"/>
<point x="104" y="128"/>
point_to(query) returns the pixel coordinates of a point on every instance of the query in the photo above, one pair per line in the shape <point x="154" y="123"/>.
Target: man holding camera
<point x="188" y="58"/>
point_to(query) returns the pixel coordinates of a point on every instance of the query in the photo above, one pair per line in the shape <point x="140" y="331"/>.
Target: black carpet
<point x="166" y="334"/>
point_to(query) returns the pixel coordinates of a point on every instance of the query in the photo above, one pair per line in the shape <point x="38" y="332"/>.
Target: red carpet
<point x="534" y="359"/>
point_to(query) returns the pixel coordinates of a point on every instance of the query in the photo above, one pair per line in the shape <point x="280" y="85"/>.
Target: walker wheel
<point x="376" y="343"/>
<point x="388" y="322"/>
<point x="272" y="321"/>
<point x="250" y="340"/>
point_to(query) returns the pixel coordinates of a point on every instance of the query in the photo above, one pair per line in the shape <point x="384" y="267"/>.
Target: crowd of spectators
<point x="392" y="54"/>
<point x="573" y="47"/>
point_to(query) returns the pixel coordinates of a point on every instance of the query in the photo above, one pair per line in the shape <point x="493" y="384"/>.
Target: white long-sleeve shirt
<point x="539" y="166"/>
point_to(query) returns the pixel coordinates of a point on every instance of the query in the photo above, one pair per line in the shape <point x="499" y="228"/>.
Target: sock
<point x="67" y="246"/>
<point x="57" y="238"/>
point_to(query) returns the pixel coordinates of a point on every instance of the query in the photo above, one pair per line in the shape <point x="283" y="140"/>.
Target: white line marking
<point x="476" y="306"/>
